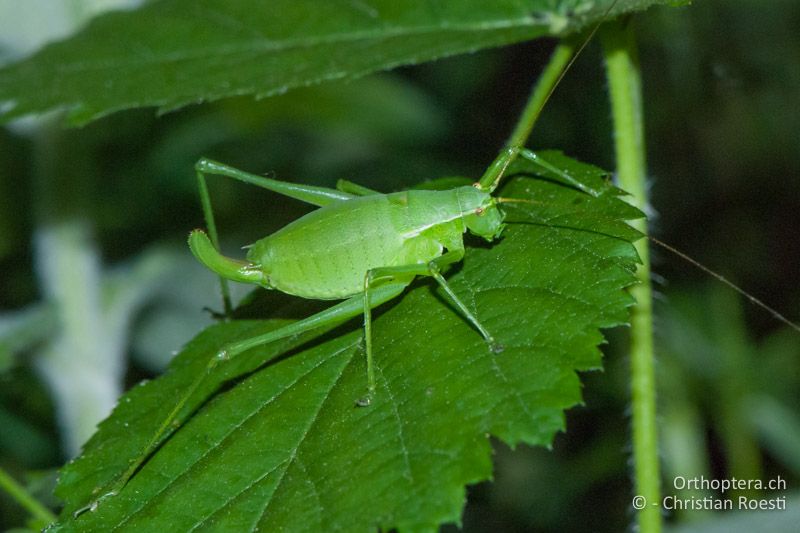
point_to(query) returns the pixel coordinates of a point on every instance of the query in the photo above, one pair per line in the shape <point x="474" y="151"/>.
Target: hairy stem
<point x="622" y="67"/>
<point x="20" y="495"/>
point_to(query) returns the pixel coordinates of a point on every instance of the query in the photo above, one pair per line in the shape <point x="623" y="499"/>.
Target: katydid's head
<point x="481" y="215"/>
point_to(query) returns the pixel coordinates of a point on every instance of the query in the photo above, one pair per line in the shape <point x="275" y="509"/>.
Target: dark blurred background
<point x="93" y="225"/>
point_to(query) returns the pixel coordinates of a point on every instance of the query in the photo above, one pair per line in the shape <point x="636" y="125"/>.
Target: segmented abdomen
<point x="326" y="253"/>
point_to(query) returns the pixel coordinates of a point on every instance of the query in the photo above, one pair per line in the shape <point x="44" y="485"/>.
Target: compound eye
<point x="479" y="211"/>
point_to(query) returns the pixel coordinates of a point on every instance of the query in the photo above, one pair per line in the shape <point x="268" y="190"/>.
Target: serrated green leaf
<point x="284" y="448"/>
<point x="175" y="52"/>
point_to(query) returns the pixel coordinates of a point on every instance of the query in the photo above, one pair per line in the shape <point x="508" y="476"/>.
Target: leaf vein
<point x="290" y="460"/>
<point x="403" y="447"/>
<point x="288" y="45"/>
<point x="172" y="480"/>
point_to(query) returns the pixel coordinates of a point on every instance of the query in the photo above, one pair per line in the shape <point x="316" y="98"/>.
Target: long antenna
<point x="520" y="136"/>
<point x="719" y="277"/>
<point x="730" y="284"/>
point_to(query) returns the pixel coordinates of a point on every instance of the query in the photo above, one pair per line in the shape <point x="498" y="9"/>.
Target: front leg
<point x="405" y="274"/>
<point x="531" y="156"/>
<point x="434" y="270"/>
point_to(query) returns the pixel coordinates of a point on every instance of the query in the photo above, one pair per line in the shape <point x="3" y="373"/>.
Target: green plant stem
<point x="622" y="67"/>
<point x="545" y="85"/>
<point x="541" y="92"/>
<point x="21" y="496"/>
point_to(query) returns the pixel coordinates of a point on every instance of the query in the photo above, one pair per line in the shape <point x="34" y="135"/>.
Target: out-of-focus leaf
<point x="23" y="441"/>
<point x="175" y="52"/>
<point x="23" y="329"/>
<point x="778" y="427"/>
<point x="386" y="107"/>
<point x="285" y="449"/>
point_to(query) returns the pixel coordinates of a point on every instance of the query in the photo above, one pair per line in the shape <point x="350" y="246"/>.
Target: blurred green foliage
<point x="720" y="81"/>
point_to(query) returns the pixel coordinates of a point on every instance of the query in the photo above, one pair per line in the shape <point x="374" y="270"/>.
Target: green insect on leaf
<point x="480" y="302"/>
<point x="276" y="445"/>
